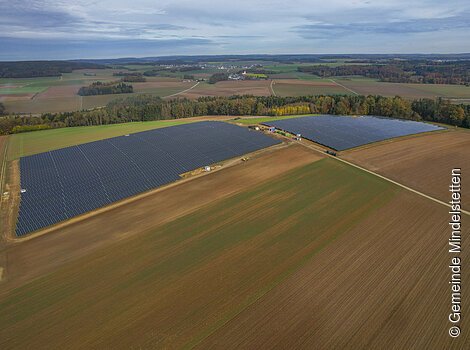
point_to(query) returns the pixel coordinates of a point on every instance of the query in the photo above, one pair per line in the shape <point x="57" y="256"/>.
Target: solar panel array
<point x="64" y="183"/>
<point x="342" y="132"/>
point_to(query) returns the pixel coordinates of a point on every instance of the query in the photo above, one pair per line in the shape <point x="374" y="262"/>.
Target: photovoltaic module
<point x="343" y="132"/>
<point x="67" y="182"/>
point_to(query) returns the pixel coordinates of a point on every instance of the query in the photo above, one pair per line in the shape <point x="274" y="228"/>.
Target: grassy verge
<point x="251" y="121"/>
<point x="46" y="140"/>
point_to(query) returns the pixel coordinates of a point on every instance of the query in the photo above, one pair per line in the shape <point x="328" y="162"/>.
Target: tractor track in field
<point x="182" y="92"/>
<point x="344" y="87"/>
<point x="272" y="88"/>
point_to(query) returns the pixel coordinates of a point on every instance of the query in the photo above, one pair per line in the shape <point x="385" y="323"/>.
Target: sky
<point x="58" y="29"/>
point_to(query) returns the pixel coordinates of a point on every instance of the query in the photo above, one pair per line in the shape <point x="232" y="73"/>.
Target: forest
<point x="100" y="88"/>
<point x="421" y="72"/>
<point x="148" y="107"/>
<point x="33" y="69"/>
<point x="214" y="78"/>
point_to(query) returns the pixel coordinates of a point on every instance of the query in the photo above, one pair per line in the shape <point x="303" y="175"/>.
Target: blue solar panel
<point x="71" y="181"/>
<point x="342" y="132"/>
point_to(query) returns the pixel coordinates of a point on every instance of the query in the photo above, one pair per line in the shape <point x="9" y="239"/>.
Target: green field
<point x="256" y="75"/>
<point x="287" y="68"/>
<point x="35" y="85"/>
<point x="26" y="89"/>
<point x="178" y="283"/>
<point x="25" y="144"/>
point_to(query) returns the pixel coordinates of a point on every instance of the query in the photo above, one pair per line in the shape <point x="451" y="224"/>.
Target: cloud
<point x="244" y="26"/>
<point x="330" y="30"/>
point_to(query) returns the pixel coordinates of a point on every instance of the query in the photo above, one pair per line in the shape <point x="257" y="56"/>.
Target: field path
<point x="344" y="87"/>
<point x="271" y="87"/>
<point x="4" y="163"/>
<point x="182" y="92"/>
<point x="4" y="140"/>
<point x="381" y="176"/>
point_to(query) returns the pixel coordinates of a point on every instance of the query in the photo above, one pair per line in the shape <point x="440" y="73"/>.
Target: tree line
<point x="100" y="88"/>
<point x="148" y="107"/>
<point x="421" y="72"/>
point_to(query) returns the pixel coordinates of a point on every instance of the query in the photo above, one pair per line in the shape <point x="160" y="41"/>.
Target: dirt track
<point x="383" y="284"/>
<point x="30" y="259"/>
<point x="423" y="162"/>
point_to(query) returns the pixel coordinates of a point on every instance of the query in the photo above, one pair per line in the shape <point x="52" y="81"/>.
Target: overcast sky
<point x="58" y="29"/>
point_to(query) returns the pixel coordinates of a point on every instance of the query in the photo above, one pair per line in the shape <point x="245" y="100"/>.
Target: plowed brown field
<point x="285" y="251"/>
<point x="423" y="163"/>
<point x="59" y="91"/>
<point x="381" y="285"/>
<point x="176" y="284"/>
<point x="32" y="258"/>
<point x="229" y="88"/>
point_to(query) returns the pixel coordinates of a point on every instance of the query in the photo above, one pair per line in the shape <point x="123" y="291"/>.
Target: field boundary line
<point x="383" y="177"/>
<point x="344" y="87"/>
<point x="271" y="87"/>
<point x="182" y="92"/>
<point x="4" y="164"/>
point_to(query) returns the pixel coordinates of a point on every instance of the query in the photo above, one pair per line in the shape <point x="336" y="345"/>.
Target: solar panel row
<point x="342" y="132"/>
<point x="68" y="182"/>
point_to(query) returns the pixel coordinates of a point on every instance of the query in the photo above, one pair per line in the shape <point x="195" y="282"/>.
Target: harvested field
<point x="229" y="88"/>
<point x="372" y="87"/>
<point x="44" y="105"/>
<point x="176" y="284"/>
<point x="422" y="162"/>
<point x="381" y="285"/>
<point x="59" y="91"/>
<point x="296" y="87"/>
<point x="178" y="84"/>
<point x="151" y="80"/>
<point x="15" y="97"/>
<point x="34" y="257"/>
<point x="447" y="91"/>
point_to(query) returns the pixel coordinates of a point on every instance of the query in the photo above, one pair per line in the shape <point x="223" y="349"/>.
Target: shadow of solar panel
<point x="71" y="181"/>
<point x="344" y="132"/>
